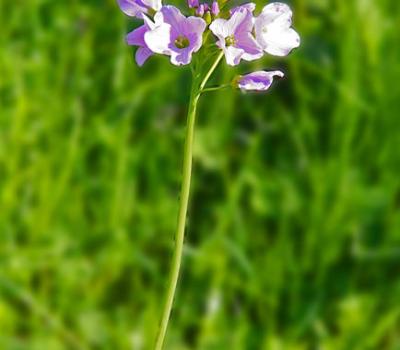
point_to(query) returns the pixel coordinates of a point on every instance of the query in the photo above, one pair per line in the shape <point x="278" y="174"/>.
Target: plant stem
<point x="216" y="88"/>
<point x="183" y="204"/>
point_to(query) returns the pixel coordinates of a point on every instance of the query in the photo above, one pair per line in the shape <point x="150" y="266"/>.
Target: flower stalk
<point x="196" y="92"/>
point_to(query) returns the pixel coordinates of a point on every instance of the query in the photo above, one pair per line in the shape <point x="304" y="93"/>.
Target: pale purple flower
<point x="175" y="35"/>
<point x="235" y="37"/>
<point x="215" y="8"/>
<point x="251" y="6"/>
<point x="136" y="38"/>
<point x="273" y="30"/>
<point x="193" y="3"/>
<point x="136" y="8"/>
<point x="258" y="81"/>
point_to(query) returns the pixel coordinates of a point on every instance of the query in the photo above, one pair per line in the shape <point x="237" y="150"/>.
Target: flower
<point x="175" y="35"/>
<point x="136" y="8"/>
<point x="257" y="81"/>
<point x="235" y="37"/>
<point x="273" y="30"/>
<point x="136" y="38"/>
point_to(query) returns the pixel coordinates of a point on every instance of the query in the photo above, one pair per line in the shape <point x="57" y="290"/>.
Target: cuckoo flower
<point x="273" y="30"/>
<point x="257" y="81"/>
<point x="175" y="35"/>
<point x="167" y="31"/>
<point x="235" y="37"/>
<point x="136" y="8"/>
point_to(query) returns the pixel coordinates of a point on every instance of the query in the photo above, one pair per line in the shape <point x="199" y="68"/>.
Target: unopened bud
<point x="200" y="10"/>
<point x="215" y="8"/>
<point x="193" y="3"/>
<point x="207" y="17"/>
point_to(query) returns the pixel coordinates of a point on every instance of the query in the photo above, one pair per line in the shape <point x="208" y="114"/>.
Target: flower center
<point x="230" y="40"/>
<point x="181" y="42"/>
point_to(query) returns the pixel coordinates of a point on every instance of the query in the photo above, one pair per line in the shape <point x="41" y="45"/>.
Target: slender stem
<point x="215" y="88"/>
<point x="183" y="204"/>
<point x="211" y="70"/>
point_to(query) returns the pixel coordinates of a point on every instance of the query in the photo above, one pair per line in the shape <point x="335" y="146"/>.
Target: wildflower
<point x="257" y="81"/>
<point x="136" y="8"/>
<point x="235" y="37"/>
<point x="273" y="30"/>
<point x="240" y="37"/>
<point x="175" y="35"/>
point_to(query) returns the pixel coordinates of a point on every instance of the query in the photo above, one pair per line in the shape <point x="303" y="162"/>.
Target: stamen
<point x="230" y="40"/>
<point x="181" y="42"/>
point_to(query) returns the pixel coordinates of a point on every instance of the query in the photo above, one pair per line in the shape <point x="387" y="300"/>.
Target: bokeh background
<point x="293" y="237"/>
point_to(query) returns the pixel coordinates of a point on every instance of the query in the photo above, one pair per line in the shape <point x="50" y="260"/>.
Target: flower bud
<point x="200" y="10"/>
<point x="256" y="81"/>
<point x="215" y="8"/>
<point x="207" y="17"/>
<point x="193" y="3"/>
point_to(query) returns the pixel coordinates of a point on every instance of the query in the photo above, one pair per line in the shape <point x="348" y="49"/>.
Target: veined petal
<point x="250" y="6"/>
<point x="158" y="39"/>
<point x="142" y="54"/>
<point x="194" y="25"/>
<point x="277" y="11"/>
<point x="281" y="42"/>
<point x="233" y="55"/>
<point x="238" y="21"/>
<point x="132" y="8"/>
<point x="273" y="30"/>
<point x="219" y="28"/>
<point x="136" y="37"/>
<point x="246" y="21"/>
<point x="173" y="17"/>
<point x="181" y="57"/>
<point x="258" y="81"/>
<point x="252" y="50"/>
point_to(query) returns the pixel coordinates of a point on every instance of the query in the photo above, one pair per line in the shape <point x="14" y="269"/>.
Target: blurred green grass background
<point x="293" y="237"/>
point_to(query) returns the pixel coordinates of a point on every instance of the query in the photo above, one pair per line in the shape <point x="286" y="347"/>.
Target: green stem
<point x="183" y="204"/>
<point x="216" y="88"/>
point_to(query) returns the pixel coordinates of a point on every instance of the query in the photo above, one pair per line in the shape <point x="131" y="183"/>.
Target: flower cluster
<point x="239" y="33"/>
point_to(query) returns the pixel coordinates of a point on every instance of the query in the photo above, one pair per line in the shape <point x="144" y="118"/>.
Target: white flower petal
<point x="158" y="39"/>
<point x="219" y="28"/>
<point x="273" y="30"/>
<point x="233" y="55"/>
<point x="154" y="4"/>
<point x="276" y="12"/>
<point x="280" y="43"/>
